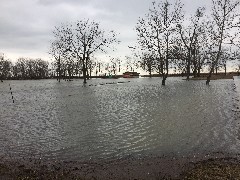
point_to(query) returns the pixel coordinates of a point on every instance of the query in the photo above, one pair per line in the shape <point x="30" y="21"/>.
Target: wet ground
<point x="209" y="166"/>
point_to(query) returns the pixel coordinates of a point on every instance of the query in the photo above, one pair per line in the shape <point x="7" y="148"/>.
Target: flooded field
<point x="107" y="121"/>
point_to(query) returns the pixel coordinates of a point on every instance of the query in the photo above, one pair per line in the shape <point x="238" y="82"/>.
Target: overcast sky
<point x="26" y="25"/>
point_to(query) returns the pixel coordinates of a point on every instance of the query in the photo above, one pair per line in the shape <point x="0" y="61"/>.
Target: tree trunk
<point x="64" y="74"/>
<point x="225" y="68"/>
<point x="59" y="69"/>
<point x="164" y="79"/>
<point x="84" y="74"/>
<point x="87" y="71"/>
<point x="84" y="62"/>
<point x="208" y="80"/>
<point x="194" y="62"/>
<point x="166" y="75"/>
<point x="150" y="73"/>
<point x="159" y="70"/>
<point x="90" y="71"/>
<point x="119" y="68"/>
<point x="199" y="70"/>
<point x="188" y="64"/>
<point x="195" y="71"/>
<point x="69" y="74"/>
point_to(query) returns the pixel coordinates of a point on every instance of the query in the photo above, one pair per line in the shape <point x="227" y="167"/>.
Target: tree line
<point x="24" y="68"/>
<point x="29" y="68"/>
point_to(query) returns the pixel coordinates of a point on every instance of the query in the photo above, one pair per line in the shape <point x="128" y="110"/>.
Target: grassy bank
<point x="225" y="168"/>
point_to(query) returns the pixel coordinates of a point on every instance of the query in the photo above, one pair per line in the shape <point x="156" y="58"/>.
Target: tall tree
<point x="224" y="20"/>
<point x="156" y="30"/>
<point x="189" y="36"/>
<point x="82" y="39"/>
<point x="59" y="54"/>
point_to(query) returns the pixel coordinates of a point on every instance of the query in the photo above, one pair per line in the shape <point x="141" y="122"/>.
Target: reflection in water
<point x="68" y="121"/>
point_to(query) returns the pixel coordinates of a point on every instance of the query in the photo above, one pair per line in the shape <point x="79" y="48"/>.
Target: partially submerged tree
<point x="225" y="19"/>
<point x="189" y="37"/>
<point x="82" y="39"/>
<point x="156" y="30"/>
<point x="56" y="51"/>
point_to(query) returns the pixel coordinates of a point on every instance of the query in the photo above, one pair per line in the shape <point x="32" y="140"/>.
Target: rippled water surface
<point x="68" y="121"/>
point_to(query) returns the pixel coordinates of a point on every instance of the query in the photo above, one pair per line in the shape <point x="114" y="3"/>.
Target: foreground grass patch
<point x="153" y="168"/>
<point x="214" y="169"/>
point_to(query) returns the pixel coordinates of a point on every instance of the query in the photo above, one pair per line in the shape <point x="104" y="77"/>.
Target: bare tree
<point x="82" y="39"/>
<point x="156" y="30"/>
<point x="148" y="62"/>
<point x="189" y="38"/>
<point x="224" y="16"/>
<point x="57" y="51"/>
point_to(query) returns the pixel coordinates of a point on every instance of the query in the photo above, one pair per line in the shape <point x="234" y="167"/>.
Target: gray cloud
<point x="56" y="2"/>
<point x="26" y="25"/>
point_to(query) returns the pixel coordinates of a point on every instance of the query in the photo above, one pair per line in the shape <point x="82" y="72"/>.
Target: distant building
<point x="131" y="75"/>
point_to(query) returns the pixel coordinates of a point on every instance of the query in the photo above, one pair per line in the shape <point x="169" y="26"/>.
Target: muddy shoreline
<point x="164" y="167"/>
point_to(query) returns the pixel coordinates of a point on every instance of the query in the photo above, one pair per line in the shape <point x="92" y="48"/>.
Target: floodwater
<point x="107" y="121"/>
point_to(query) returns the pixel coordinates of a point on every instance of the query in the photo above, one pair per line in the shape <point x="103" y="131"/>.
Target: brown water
<point x="137" y="118"/>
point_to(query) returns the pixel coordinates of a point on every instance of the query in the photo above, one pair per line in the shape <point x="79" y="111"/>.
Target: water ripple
<point x="141" y="117"/>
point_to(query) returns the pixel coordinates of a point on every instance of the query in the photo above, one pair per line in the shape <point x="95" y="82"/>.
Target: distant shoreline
<point x="203" y="76"/>
<point x="214" y="77"/>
